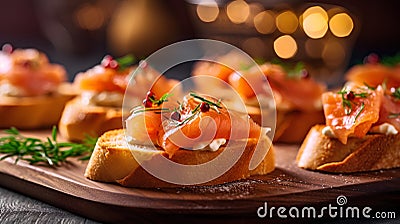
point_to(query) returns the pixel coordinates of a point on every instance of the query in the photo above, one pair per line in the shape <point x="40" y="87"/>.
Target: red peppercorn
<point x="7" y="48"/>
<point x="304" y="74"/>
<point x="350" y="96"/>
<point x="147" y="103"/>
<point x="143" y="64"/>
<point x="371" y="59"/>
<point x="176" y="116"/>
<point x="151" y="95"/>
<point x="113" y="64"/>
<point x="204" y="107"/>
<point x="106" y="61"/>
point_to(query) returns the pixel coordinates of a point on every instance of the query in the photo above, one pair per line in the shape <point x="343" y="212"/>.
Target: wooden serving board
<point x="288" y="185"/>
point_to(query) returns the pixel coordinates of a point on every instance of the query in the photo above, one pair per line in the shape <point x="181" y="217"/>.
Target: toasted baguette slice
<point x="373" y="152"/>
<point x="35" y="111"/>
<point x="112" y="161"/>
<point x="79" y="121"/>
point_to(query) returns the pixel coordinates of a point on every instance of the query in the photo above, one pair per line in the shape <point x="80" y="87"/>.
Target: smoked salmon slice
<point x="374" y="75"/>
<point x="199" y="125"/>
<point x="302" y="92"/>
<point x="390" y="111"/>
<point x="29" y="70"/>
<point x="193" y="124"/>
<point x="101" y="79"/>
<point x="352" y="111"/>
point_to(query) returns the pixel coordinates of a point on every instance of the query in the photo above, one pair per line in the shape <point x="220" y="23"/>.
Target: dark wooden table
<point x="67" y="190"/>
<point x="18" y="208"/>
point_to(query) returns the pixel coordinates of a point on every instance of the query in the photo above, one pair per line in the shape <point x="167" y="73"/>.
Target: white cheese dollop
<point x="327" y="131"/>
<point x="384" y="128"/>
<point x="213" y="146"/>
<point x="108" y="99"/>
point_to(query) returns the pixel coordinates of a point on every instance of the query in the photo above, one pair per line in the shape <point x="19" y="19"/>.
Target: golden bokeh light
<point x="264" y="22"/>
<point x="238" y="11"/>
<point x="333" y="54"/>
<point x="316" y="10"/>
<point x="315" y="22"/>
<point x="287" y="22"/>
<point x="341" y="25"/>
<point x="207" y="12"/>
<point x="89" y="17"/>
<point x="285" y="46"/>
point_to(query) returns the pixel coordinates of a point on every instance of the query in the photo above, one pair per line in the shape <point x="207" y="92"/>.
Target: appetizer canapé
<point x="297" y="96"/>
<point x="362" y="124"/>
<point x="193" y="132"/>
<point x="33" y="91"/>
<point x="98" y="108"/>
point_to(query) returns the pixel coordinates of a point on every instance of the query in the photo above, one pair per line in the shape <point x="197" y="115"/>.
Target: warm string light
<point x="315" y="22"/>
<point x="238" y="11"/>
<point x="287" y="22"/>
<point x="341" y="25"/>
<point x="285" y="46"/>
<point x="208" y="12"/>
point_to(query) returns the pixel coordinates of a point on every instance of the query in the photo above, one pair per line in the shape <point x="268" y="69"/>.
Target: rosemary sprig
<point x="48" y="152"/>
<point x="369" y="87"/>
<point x="293" y="71"/>
<point x="218" y="104"/>
<point x="348" y="97"/>
<point x="296" y="71"/>
<point x="345" y="102"/>
<point x="163" y="98"/>
<point x="393" y="115"/>
<point x="186" y="120"/>
<point x="196" y="109"/>
<point x="359" y="112"/>
<point x="362" y="95"/>
<point x="157" y="109"/>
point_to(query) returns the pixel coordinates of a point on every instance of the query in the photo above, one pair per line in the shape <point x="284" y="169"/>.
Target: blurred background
<point x="328" y="36"/>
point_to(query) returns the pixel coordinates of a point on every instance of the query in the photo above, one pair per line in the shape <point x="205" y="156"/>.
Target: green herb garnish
<point x="348" y="97"/>
<point x="295" y="71"/>
<point x="206" y="101"/>
<point x="157" y="110"/>
<point x="48" y="152"/>
<point x="196" y="111"/>
<point x="393" y="115"/>
<point x="162" y="99"/>
<point x="396" y="93"/>
<point x="359" y="112"/>
<point x="369" y="87"/>
<point x="259" y="61"/>
<point x="391" y="61"/>
<point x="125" y="62"/>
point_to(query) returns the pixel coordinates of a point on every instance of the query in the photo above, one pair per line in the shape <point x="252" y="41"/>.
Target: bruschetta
<point x="192" y="133"/>
<point x="362" y="124"/>
<point x="33" y="91"/>
<point x="98" y="108"/>
<point x="297" y="95"/>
